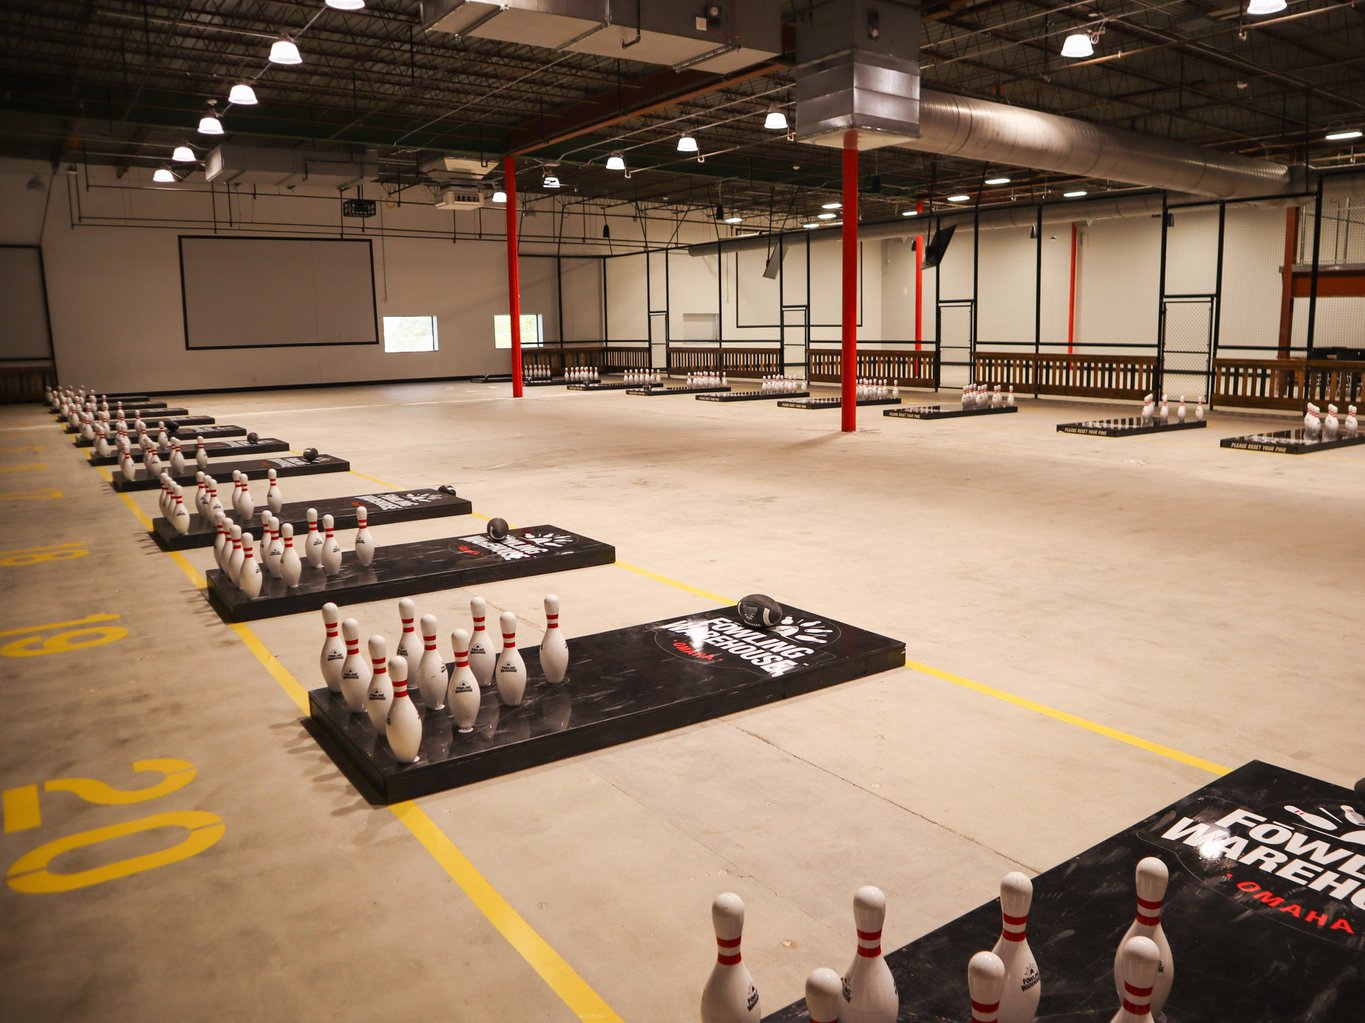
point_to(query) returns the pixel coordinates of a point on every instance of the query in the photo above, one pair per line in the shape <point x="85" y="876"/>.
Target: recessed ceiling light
<point x="183" y="154"/>
<point x="909" y="213"/>
<point x="1256" y="8"/>
<point x="1343" y="136"/>
<point x="616" y="162"/>
<point x="997" y="181"/>
<point x="686" y="143"/>
<point x="1078" y="44"/>
<point x="1075" y="194"/>
<point x="163" y="176"/>
<point x="825" y="216"/>
<point x="284" y="51"/>
<point x="959" y="198"/>
<point x="776" y="120"/>
<point x="831" y="206"/>
<point x="243" y="95"/>
<point x="812" y="226"/>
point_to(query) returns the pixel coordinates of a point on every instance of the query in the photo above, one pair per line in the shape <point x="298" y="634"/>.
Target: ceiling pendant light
<point x="1343" y="136"/>
<point x="775" y="120"/>
<point x="686" y="143"/>
<point x="284" y="51"/>
<point x="550" y="181"/>
<point x="163" y="176"/>
<point x="183" y="154"/>
<point x="831" y="205"/>
<point x="997" y="181"/>
<point x="616" y="162"/>
<point x="1075" y="193"/>
<point x="1078" y="44"/>
<point x="209" y="123"/>
<point x="243" y="95"/>
<point x="959" y="198"/>
<point x="734" y="218"/>
<point x="1258" y="8"/>
<point x="500" y="196"/>
<point x="346" y="5"/>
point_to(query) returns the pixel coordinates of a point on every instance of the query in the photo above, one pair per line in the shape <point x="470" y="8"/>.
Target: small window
<point x="409" y="333"/>
<point x="532" y="330"/>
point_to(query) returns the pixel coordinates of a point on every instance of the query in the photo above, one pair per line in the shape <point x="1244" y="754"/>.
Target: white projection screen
<point x="249" y="292"/>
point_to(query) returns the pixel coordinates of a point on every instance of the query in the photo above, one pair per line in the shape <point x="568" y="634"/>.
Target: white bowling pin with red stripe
<point x="1152" y="878"/>
<point x="333" y="649"/>
<point x="331" y="550"/>
<point x="380" y="693"/>
<point x="554" y="649"/>
<point x="510" y="670"/>
<point x="314" y="541"/>
<point x="235" y="558"/>
<point x="249" y="577"/>
<point x="824" y="995"/>
<point x="408" y="645"/>
<point x="273" y="498"/>
<point x="481" y="654"/>
<point x="403" y="727"/>
<point x="180" y="515"/>
<point x="364" y="542"/>
<point x="729" y="995"/>
<point x="985" y="981"/>
<point x="462" y="693"/>
<point x="291" y="566"/>
<point x="431" y="669"/>
<point x="869" y="990"/>
<point x="355" y="669"/>
<point x="1139" y="959"/>
<point x="1023" y="983"/>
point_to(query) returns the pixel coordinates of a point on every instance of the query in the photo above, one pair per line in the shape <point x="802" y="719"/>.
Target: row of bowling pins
<point x="1004" y="984"/>
<point x="368" y="690"/>
<point x="707" y="380"/>
<point x="1149" y="409"/>
<point x="582" y="375"/>
<point x="1314" y="423"/>
<point x="234" y="549"/>
<point x="982" y="396"/>
<point x="537" y="373"/>
<point x="875" y="389"/>
<point x="643" y="377"/>
<point x="779" y="384"/>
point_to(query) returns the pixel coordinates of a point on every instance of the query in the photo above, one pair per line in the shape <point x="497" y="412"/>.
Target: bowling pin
<point x="1139" y="959"/>
<point x="554" y="651"/>
<point x="1317" y="820"/>
<point x="273" y="498"/>
<point x="291" y="567"/>
<point x="331" y="551"/>
<point x="364" y="542"/>
<point x="824" y="996"/>
<point x="462" y="694"/>
<point x="177" y="459"/>
<point x="403" y="728"/>
<point x="234" y="565"/>
<point x="314" y="541"/>
<point x="985" y="981"/>
<point x="408" y="645"/>
<point x="431" y="669"/>
<point x="510" y="670"/>
<point x="380" y="693"/>
<point x="215" y="503"/>
<point x="729" y="995"/>
<point x="355" y="669"/>
<point x="267" y="538"/>
<point x="481" y="655"/>
<point x="245" y="504"/>
<point x="180" y="515"/>
<point x="1148" y="408"/>
<point x="275" y="555"/>
<point x="236" y="501"/>
<point x="1165" y="409"/>
<point x="126" y="465"/>
<point x="163" y="443"/>
<point x="1199" y="409"/>
<point x="1351" y="424"/>
<point x="220" y="539"/>
<point x="869" y="990"/>
<point x="249" y="578"/>
<point x="1023" y="984"/>
<point x="1180" y="412"/>
<point x="333" y="649"/>
<point x="201" y="455"/>
<point x="1152" y="877"/>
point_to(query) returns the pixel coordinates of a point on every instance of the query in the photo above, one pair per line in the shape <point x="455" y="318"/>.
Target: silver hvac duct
<point x="1006" y="136"/>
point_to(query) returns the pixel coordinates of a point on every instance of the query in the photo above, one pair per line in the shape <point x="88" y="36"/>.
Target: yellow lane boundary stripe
<point x="561" y="978"/>
<point x="373" y="479"/>
<point x="1070" y="719"/>
<point x="696" y="591"/>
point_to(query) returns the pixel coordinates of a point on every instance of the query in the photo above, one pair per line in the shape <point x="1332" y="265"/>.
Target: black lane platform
<point x="615" y="385"/>
<point x="397" y="506"/>
<point x="835" y="402"/>
<point x="1128" y="426"/>
<point x="399" y="570"/>
<point x="255" y="469"/>
<point x="1251" y="939"/>
<point x="1290" y="442"/>
<point x="754" y="396"/>
<point x="945" y="411"/>
<point x="173" y="425"/>
<point x="214" y="449"/>
<point x="218" y="431"/>
<point x="552" y="382"/>
<point x="622" y="685"/>
<point x="654" y="392"/>
<point x="152" y="418"/>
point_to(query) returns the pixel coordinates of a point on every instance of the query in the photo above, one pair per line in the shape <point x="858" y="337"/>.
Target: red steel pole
<point x="509" y="185"/>
<point x="1071" y="299"/>
<point x="848" y="367"/>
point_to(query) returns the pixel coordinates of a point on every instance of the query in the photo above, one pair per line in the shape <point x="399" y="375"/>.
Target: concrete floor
<point x="1200" y="599"/>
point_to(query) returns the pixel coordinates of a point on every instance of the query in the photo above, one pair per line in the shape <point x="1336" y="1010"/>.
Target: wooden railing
<point x="26" y="382"/>
<point x="1079" y="376"/>
<point x="905" y="369"/>
<point x="1287" y="383"/>
<point x="735" y="362"/>
<point x="608" y="358"/>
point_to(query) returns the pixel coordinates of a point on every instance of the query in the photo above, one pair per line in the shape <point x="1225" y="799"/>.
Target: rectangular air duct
<point x="459" y="199"/>
<point x="237" y="164"/>
<point x="858" y="69"/>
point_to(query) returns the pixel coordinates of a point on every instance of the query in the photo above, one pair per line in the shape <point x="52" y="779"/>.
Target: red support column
<point x="1071" y="299"/>
<point x="919" y="285"/>
<point x="848" y="367"/>
<point x="509" y="174"/>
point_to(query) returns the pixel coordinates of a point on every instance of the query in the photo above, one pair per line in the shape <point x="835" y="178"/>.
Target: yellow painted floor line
<point x="1070" y="719"/>
<point x="561" y="978"/>
<point x="373" y="479"/>
<point x="676" y="584"/>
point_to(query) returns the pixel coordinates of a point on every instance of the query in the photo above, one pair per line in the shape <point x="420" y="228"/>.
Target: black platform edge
<point x="1131" y="426"/>
<point x="255" y="469"/>
<point x="809" y="403"/>
<point x="394" y="506"/>
<point x="214" y="449"/>
<point x="170" y="416"/>
<point x="937" y="412"/>
<point x="1289" y="442"/>
<point x="752" y="396"/>
<point x="654" y="392"/>
<point x="611" y="386"/>
<point x="215" y="431"/>
<point x="557" y="382"/>
<point x="344" y="588"/>
<point x="420" y="779"/>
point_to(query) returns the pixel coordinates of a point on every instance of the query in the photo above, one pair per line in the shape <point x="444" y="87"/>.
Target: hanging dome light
<point x="1077" y="45"/>
<point x="243" y="95"/>
<point x="776" y="120"/>
<point x="210" y="125"/>
<point x="183" y="154"/>
<point x="1258" y="8"/>
<point x="284" y="51"/>
<point x="616" y="162"/>
<point x="686" y="143"/>
<point x="163" y="176"/>
<point x="346" y="5"/>
<point x="500" y="196"/>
